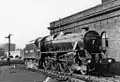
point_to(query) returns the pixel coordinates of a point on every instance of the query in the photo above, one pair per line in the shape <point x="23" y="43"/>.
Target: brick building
<point x="2" y="52"/>
<point x="5" y="47"/>
<point x="15" y="53"/>
<point x="103" y="17"/>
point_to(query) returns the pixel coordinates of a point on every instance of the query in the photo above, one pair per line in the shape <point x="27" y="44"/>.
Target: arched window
<point x="104" y="38"/>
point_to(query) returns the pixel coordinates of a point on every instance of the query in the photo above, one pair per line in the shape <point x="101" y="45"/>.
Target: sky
<point x="27" y="20"/>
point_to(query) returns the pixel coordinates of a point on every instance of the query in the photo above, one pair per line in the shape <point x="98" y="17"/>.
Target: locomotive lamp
<point x="9" y="40"/>
<point x="89" y="61"/>
<point x="81" y="48"/>
<point x="110" y="60"/>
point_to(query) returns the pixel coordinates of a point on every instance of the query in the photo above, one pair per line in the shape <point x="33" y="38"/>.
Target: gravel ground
<point x="8" y="74"/>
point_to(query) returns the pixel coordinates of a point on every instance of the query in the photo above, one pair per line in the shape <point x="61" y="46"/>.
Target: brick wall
<point x="80" y="16"/>
<point x="107" y="20"/>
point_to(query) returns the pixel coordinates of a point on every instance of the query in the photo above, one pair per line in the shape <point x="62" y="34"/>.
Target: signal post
<point x="9" y="40"/>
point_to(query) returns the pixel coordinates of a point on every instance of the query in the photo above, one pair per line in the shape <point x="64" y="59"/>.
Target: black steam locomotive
<point x="83" y="52"/>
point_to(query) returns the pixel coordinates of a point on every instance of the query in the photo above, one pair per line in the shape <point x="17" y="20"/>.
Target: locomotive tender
<point x="83" y="52"/>
<point x="30" y="54"/>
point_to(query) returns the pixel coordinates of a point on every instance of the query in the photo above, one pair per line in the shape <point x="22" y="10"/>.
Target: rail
<point x="62" y="76"/>
<point x="58" y="51"/>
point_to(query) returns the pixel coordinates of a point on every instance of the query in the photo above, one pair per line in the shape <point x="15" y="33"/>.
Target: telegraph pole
<point x="9" y="40"/>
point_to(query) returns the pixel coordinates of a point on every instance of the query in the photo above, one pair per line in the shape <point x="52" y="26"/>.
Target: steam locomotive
<point x="83" y="53"/>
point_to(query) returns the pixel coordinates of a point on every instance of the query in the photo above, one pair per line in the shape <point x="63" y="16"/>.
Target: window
<point x="104" y="39"/>
<point x="26" y="51"/>
<point x="31" y="51"/>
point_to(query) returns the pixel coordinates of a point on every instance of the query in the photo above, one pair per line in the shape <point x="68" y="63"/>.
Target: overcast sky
<point x="29" y="19"/>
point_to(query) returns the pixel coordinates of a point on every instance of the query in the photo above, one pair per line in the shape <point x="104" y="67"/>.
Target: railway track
<point x="73" y="77"/>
